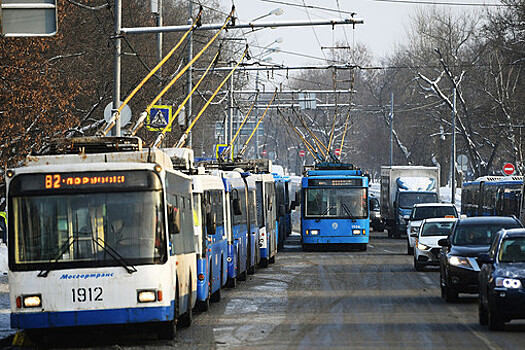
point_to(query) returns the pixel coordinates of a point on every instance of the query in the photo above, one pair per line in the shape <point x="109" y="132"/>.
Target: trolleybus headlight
<point x="146" y="296"/>
<point x="158" y="168"/>
<point x="314" y="232"/>
<point x="10" y="173"/>
<point x="356" y="232"/>
<point x="32" y="300"/>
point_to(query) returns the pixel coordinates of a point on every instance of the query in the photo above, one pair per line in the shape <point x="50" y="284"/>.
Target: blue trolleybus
<point x="492" y="195"/>
<point x="334" y="206"/>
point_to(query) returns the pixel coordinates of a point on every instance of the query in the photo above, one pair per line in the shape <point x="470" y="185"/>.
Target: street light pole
<point x="391" y="129"/>
<point x="117" y="53"/>
<point x="453" y="155"/>
<point x="251" y="25"/>
<point x="190" y="82"/>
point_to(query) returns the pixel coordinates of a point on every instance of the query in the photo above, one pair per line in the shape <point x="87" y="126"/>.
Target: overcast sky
<point x="384" y="25"/>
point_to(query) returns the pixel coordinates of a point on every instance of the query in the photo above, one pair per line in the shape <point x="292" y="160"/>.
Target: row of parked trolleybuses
<point x="102" y="231"/>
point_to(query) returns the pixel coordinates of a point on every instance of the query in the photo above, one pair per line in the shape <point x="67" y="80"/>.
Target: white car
<point x="424" y="211"/>
<point x="426" y="249"/>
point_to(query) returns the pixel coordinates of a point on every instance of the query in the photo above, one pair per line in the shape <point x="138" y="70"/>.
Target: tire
<point x="186" y="318"/>
<point x="272" y="260"/>
<point x="390" y="233"/>
<point x="410" y="250"/>
<point x="231" y="282"/>
<point x="482" y="312"/>
<point x="417" y="265"/>
<point x="251" y="270"/>
<point x="216" y="297"/>
<point x="451" y="296"/>
<point x="264" y="263"/>
<point x="495" y="320"/>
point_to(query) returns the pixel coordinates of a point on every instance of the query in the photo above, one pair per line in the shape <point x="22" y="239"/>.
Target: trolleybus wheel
<point x="186" y="318"/>
<point x="272" y="260"/>
<point x="264" y="263"/>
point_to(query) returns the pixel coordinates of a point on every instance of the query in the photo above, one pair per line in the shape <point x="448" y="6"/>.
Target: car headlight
<point x="414" y="229"/>
<point x="459" y="261"/>
<point x="422" y="246"/>
<point x="510" y="283"/>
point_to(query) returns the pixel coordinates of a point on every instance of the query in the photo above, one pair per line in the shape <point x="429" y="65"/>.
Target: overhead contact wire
<point x="181" y="106"/>
<point x="116" y="115"/>
<point x="184" y="136"/>
<point x="228" y="149"/>
<point x="241" y="152"/>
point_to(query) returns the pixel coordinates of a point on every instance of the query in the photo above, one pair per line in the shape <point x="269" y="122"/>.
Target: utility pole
<point x="170" y="29"/>
<point x="159" y="40"/>
<point x="117" y="68"/>
<point x="189" y="82"/>
<point x="391" y="129"/>
<point x="453" y="155"/>
<point x="229" y="137"/>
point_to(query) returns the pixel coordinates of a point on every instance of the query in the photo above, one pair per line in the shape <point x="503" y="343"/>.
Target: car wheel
<point x="495" y="320"/>
<point x="451" y="296"/>
<point x="410" y="250"/>
<point x="482" y="311"/>
<point x="417" y="265"/>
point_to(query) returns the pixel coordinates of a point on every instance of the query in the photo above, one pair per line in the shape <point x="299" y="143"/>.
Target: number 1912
<point x="81" y="295"/>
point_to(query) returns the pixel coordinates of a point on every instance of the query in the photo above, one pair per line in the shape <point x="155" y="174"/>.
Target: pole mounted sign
<point x="302" y="153"/>
<point x="28" y="18"/>
<point x="509" y="169"/>
<point x="159" y="117"/>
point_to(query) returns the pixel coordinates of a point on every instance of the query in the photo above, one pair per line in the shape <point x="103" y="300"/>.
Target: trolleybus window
<point x="340" y="202"/>
<point x="83" y="228"/>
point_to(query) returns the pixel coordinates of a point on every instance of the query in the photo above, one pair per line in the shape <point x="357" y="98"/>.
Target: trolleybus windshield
<point x="59" y="228"/>
<point x="339" y="202"/>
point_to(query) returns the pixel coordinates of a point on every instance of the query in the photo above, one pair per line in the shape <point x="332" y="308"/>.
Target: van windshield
<point x="408" y="199"/>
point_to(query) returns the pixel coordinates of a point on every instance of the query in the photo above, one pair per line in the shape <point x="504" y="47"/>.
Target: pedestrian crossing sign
<point x="158" y="118"/>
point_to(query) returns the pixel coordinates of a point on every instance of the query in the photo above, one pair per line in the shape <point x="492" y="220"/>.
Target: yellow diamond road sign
<point x="158" y="118"/>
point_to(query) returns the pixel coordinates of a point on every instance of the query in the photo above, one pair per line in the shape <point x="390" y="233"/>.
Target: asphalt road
<point x="337" y="300"/>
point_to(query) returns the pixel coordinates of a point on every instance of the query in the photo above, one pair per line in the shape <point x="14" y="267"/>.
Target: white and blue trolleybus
<point x="334" y="207"/>
<point x="100" y="233"/>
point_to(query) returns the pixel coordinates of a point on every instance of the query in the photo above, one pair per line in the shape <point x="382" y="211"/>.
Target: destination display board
<point x="335" y="182"/>
<point x="86" y="181"/>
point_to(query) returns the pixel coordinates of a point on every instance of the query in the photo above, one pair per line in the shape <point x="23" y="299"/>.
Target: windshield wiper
<point x="324" y="213"/>
<point x="115" y="255"/>
<point x="61" y="250"/>
<point x="348" y="212"/>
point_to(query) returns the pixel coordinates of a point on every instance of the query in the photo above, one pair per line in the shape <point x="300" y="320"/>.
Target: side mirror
<point x="444" y="242"/>
<point x="484" y="258"/>
<point x="173" y="219"/>
<point x="236" y="204"/>
<point x="211" y="226"/>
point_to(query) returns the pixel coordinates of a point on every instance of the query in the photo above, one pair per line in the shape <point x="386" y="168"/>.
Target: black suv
<point x="502" y="279"/>
<point x="458" y="261"/>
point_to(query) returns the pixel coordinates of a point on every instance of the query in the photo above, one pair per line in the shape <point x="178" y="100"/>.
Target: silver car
<point x="426" y="248"/>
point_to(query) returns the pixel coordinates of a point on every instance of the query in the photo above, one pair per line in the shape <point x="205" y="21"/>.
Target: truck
<point x="401" y="188"/>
